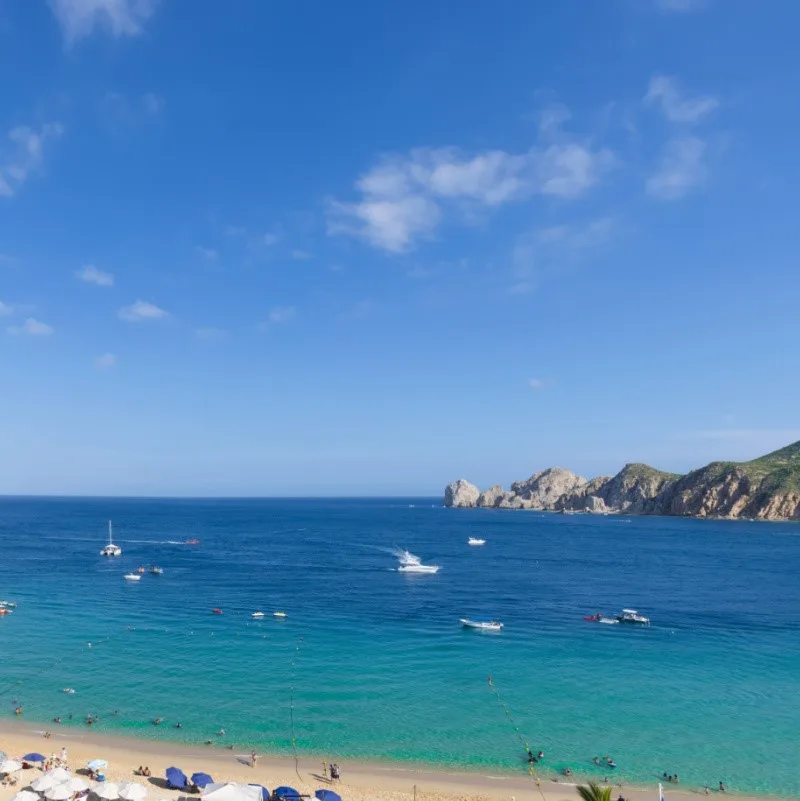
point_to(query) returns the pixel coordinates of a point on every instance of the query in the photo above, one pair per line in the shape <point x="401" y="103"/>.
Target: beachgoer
<point x="567" y="771"/>
<point x="139" y="772"/>
<point x="676" y="779"/>
<point x="18" y="711"/>
<point x="324" y="768"/>
<point x="221" y="733"/>
<point x="722" y="787"/>
<point x="540" y="755"/>
<point x="64" y="753"/>
<point x="664" y="776"/>
<point x="707" y="790"/>
<point x="596" y="761"/>
<point x="208" y="742"/>
<point x="253" y="759"/>
<point x="179" y="725"/>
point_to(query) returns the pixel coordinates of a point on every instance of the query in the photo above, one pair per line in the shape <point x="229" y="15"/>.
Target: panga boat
<point x="418" y="568"/>
<point x="598" y="618"/>
<point x="133" y="577"/>
<point x="192" y="542"/>
<point x="475" y="541"/>
<point x="157" y="571"/>
<point x="481" y="625"/>
<point x="279" y="614"/>
<point x="111" y="549"/>
<point x="4" y="611"/>
<point x="257" y="614"/>
<point x="632" y="616"/>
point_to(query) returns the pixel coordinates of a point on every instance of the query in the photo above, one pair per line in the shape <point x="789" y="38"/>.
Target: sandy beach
<point x="360" y="781"/>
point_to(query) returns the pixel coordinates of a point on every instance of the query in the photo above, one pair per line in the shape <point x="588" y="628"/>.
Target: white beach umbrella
<point x="59" y="792"/>
<point x="10" y="766"/>
<point x="44" y="782"/>
<point x="77" y="784"/>
<point x="107" y="791"/>
<point x="59" y="774"/>
<point x="132" y="791"/>
<point x="231" y="792"/>
<point x="25" y="795"/>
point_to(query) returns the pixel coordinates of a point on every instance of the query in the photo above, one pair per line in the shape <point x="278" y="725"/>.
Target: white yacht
<point x="133" y="577"/>
<point x="111" y="549"/>
<point x="417" y="567"/>
<point x="475" y="541"/>
<point x="632" y="616"/>
<point x="257" y="615"/>
<point x="481" y="625"/>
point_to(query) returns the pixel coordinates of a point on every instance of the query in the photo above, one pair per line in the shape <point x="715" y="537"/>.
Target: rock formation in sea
<point x="767" y="488"/>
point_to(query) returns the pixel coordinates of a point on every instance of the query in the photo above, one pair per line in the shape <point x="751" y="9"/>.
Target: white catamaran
<point x="111" y="549"/>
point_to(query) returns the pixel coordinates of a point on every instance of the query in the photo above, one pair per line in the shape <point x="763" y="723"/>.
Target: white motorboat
<point x="632" y="616"/>
<point x="609" y="621"/>
<point x="481" y="625"/>
<point x="279" y="614"/>
<point x="475" y="541"/>
<point x="111" y="549"/>
<point x="8" y="605"/>
<point x="417" y="567"/>
<point x="257" y="614"/>
<point x="133" y="577"/>
<point x="69" y="691"/>
<point x="157" y="571"/>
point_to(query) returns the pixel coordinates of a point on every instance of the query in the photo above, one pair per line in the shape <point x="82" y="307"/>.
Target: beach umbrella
<point x="96" y="764"/>
<point x="133" y="791"/>
<point x="327" y="795"/>
<point x="59" y="792"/>
<point x="59" y="774"/>
<point x="10" y="766"/>
<point x="33" y="757"/>
<point x="77" y="784"/>
<point x="201" y="780"/>
<point x="108" y="791"/>
<point x="230" y="791"/>
<point x="265" y="794"/>
<point x="3" y="756"/>
<point x="176" y="778"/>
<point x="44" y="782"/>
<point x="287" y="793"/>
<point x="25" y="795"/>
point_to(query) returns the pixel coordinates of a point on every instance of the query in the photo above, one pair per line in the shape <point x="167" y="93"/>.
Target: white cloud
<point x="281" y="314"/>
<point x="32" y="327"/>
<point x="153" y="104"/>
<point x="105" y="362"/>
<point x="300" y="255"/>
<point x="536" y="383"/>
<point x="404" y="196"/>
<point x="5" y="309"/>
<point x="207" y="253"/>
<point x="664" y="92"/>
<point x="210" y="334"/>
<point x="141" y="310"/>
<point x="91" y="275"/>
<point x="682" y="168"/>
<point x="80" y="18"/>
<point x="27" y="151"/>
<point x="271" y="239"/>
<point x="681" y="6"/>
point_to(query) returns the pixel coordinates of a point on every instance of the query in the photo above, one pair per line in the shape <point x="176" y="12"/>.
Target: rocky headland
<point x="767" y="488"/>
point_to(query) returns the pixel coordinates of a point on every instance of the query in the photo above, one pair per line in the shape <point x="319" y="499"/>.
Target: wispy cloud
<point x="5" y="309"/>
<point x="32" y="327"/>
<point x="153" y="103"/>
<point x="91" y="275"/>
<point x="210" y="334"/>
<point x="403" y="198"/>
<point x="141" y="310"/>
<point x="80" y="18"/>
<point x="25" y="154"/>
<point x="681" y="169"/>
<point x="664" y="92"/>
<point x="537" y="383"/>
<point x="552" y="249"/>
<point x="209" y="254"/>
<point x="300" y="255"/>
<point x="105" y="362"/>
<point x="281" y="314"/>
<point x="681" y="6"/>
<point x="234" y="230"/>
<point x="271" y="239"/>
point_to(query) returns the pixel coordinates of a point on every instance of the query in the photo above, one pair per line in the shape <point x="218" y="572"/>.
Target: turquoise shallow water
<point x="379" y="665"/>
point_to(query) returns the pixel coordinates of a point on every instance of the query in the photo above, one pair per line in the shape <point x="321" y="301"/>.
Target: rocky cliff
<point x="767" y="488"/>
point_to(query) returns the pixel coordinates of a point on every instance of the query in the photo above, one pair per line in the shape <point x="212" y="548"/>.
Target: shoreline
<point x="362" y="780"/>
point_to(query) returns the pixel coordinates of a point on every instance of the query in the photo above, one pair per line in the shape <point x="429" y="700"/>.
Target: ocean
<point x="372" y="664"/>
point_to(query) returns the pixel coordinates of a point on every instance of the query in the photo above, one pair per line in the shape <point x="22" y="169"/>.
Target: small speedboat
<point x="8" y="605"/>
<point x="593" y="618"/>
<point x="157" y="571"/>
<point x="257" y="614"/>
<point x="418" y="568"/>
<point x="632" y="616"/>
<point x="279" y="614"/>
<point x="68" y="691"/>
<point x="481" y="625"/>
<point x="4" y="611"/>
<point x="216" y="611"/>
<point x="608" y="621"/>
<point x="475" y="541"/>
<point x="133" y="577"/>
<point x="192" y="542"/>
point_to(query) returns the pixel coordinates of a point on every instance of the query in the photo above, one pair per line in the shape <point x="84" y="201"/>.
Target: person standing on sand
<point x="325" y="769"/>
<point x="253" y="759"/>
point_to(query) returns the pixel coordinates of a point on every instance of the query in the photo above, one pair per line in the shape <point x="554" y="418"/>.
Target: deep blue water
<point x="378" y="663"/>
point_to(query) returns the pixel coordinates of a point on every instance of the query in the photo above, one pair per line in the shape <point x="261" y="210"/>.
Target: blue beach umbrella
<point x="327" y="795"/>
<point x="33" y="758"/>
<point x="265" y="794"/>
<point x="287" y="793"/>
<point x="96" y="764"/>
<point x="201" y="779"/>
<point x="176" y="778"/>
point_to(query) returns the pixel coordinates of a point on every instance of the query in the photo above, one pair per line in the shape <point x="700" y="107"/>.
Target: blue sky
<point x="281" y="247"/>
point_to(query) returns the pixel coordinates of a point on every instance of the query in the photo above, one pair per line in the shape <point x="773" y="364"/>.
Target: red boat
<point x="216" y="611"/>
<point x="192" y="542"/>
<point x="593" y="618"/>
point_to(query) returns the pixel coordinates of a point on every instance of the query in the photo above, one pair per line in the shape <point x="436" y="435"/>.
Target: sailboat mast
<point x="110" y="541"/>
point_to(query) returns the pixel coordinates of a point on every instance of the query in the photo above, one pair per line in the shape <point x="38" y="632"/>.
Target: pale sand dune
<point x="361" y="781"/>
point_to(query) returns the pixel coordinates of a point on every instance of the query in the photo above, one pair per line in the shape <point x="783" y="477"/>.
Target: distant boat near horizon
<point x="475" y="541"/>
